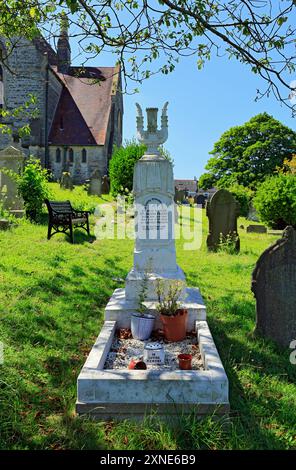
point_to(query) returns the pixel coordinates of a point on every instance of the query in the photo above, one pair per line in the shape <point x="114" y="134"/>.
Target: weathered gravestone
<point x="274" y="286"/>
<point x="222" y="211"/>
<point x="10" y="159"/>
<point x="66" y="180"/>
<point x="95" y="184"/>
<point x="179" y="195"/>
<point x="105" y="185"/>
<point x="201" y="200"/>
<point x="256" y="229"/>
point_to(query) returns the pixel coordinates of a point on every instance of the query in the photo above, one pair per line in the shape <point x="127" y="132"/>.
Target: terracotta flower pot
<point x="137" y="365"/>
<point x="185" y="361"/>
<point x="174" y="326"/>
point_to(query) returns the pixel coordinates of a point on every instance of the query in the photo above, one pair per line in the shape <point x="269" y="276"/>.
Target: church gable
<point x="89" y="92"/>
<point x="69" y="127"/>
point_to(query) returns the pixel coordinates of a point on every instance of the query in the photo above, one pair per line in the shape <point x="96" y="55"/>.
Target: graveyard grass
<point x="52" y="301"/>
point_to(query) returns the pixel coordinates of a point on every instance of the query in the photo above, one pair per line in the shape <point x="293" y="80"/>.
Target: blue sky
<point x="202" y="105"/>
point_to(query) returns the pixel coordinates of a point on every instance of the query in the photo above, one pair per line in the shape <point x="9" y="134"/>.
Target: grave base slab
<point x="119" y="394"/>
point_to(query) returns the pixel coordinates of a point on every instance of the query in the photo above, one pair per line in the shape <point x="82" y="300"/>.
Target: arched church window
<point x="71" y="155"/>
<point x="83" y="155"/>
<point x="58" y="155"/>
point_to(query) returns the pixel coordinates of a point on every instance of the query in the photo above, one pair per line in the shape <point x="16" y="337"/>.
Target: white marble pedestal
<point x="122" y="393"/>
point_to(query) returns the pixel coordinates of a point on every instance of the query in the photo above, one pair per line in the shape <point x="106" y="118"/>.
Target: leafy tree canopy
<point x="151" y="36"/>
<point x="247" y="154"/>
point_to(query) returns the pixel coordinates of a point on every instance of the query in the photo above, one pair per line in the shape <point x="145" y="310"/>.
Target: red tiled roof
<point x="84" y="106"/>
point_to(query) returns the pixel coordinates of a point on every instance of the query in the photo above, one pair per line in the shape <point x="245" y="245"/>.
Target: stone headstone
<point x="179" y="195"/>
<point x="201" y="200"/>
<point x="274" y="286"/>
<point x="10" y="159"/>
<point x="66" y="180"/>
<point x="153" y="187"/>
<point x="105" y="185"/>
<point x="256" y="229"/>
<point x="222" y="211"/>
<point x="95" y="184"/>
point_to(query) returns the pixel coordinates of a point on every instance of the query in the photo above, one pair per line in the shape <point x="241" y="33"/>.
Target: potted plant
<point x="141" y="321"/>
<point x="172" y="315"/>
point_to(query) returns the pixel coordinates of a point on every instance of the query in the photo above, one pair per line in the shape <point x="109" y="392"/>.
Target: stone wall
<point x="95" y="160"/>
<point x="29" y="76"/>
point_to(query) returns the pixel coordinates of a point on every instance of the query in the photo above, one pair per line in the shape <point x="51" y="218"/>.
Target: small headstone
<point x="95" y="184"/>
<point x="10" y="159"/>
<point x="105" y="185"/>
<point x="179" y="195"/>
<point x="66" y="181"/>
<point x="4" y="224"/>
<point x="222" y="211"/>
<point x="256" y="229"/>
<point x="274" y="286"/>
<point x="201" y="200"/>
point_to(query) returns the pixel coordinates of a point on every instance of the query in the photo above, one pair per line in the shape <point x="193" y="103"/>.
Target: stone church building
<point x="80" y="108"/>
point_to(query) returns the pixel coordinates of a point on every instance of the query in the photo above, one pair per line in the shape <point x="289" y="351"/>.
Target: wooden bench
<point x="63" y="218"/>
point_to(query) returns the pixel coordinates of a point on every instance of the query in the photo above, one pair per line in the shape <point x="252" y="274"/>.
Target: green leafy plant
<point x="275" y="201"/>
<point x="168" y="295"/>
<point x="142" y="309"/>
<point x="228" y="243"/>
<point x="3" y="212"/>
<point x="121" y="167"/>
<point x="243" y="195"/>
<point x="33" y="188"/>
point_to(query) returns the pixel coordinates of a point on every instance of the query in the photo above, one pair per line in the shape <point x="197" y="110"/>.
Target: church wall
<point x="96" y="159"/>
<point x="29" y="68"/>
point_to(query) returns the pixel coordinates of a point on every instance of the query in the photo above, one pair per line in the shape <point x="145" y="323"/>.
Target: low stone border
<point x="118" y="394"/>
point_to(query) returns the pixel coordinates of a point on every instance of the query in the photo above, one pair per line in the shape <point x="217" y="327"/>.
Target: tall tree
<point x="247" y="154"/>
<point x="259" y="33"/>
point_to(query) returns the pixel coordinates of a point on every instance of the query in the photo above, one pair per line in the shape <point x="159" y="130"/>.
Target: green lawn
<point x="52" y="299"/>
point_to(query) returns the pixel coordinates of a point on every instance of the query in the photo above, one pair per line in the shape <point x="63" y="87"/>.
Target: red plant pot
<point x="175" y="326"/>
<point x="137" y="365"/>
<point x="185" y="361"/>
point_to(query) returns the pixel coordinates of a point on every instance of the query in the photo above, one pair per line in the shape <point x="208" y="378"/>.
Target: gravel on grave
<point x="123" y="350"/>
